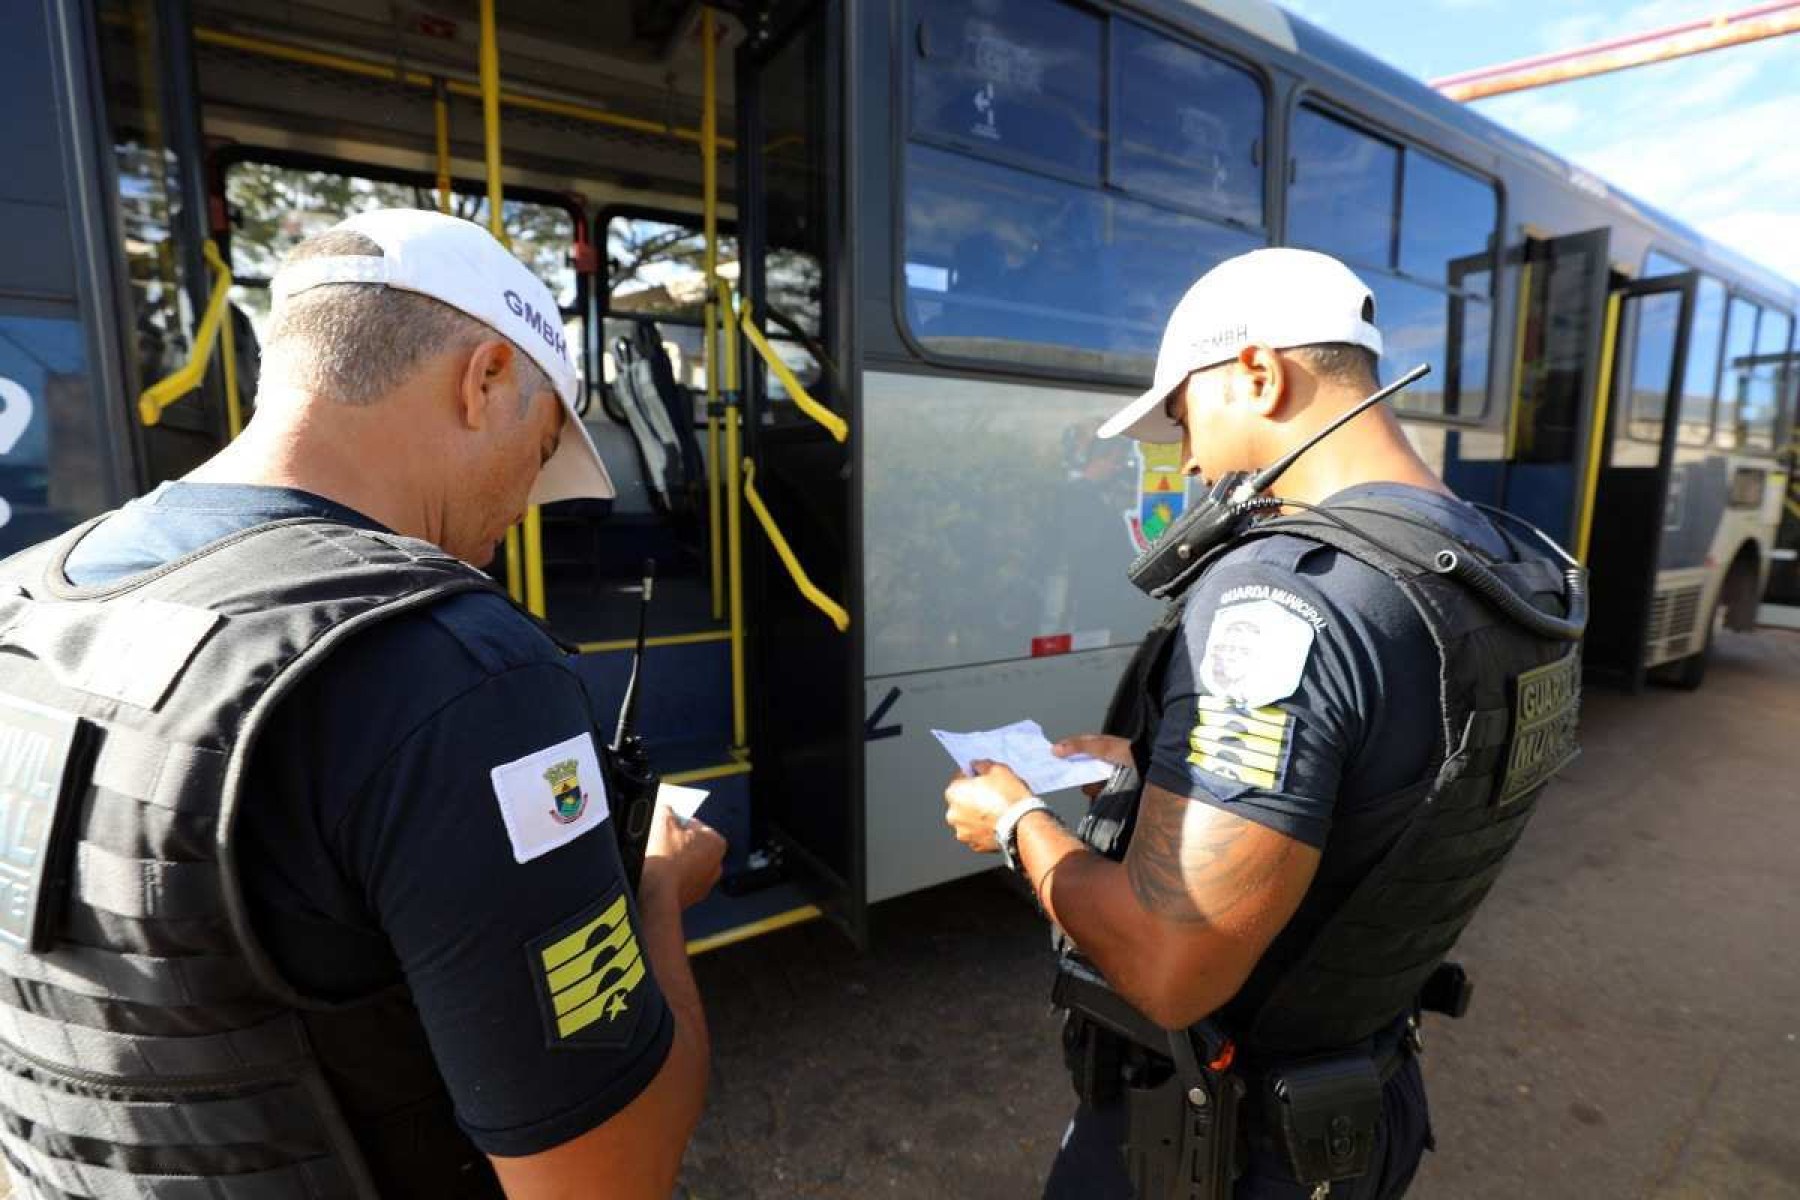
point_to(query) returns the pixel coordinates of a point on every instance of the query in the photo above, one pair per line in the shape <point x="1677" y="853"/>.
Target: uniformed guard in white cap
<point x="1322" y="754"/>
<point x="346" y="914"/>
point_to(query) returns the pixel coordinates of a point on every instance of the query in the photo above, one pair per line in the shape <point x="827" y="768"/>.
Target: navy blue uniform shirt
<point x="1303" y="694"/>
<point x="377" y="848"/>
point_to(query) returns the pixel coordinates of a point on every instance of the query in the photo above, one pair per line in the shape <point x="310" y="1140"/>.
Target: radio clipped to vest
<point x="631" y="782"/>
<point x="1174" y="560"/>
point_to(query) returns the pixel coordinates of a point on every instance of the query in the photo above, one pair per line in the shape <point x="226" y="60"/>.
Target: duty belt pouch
<point x="1183" y="1137"/>
<point x="1324" y="1114"/>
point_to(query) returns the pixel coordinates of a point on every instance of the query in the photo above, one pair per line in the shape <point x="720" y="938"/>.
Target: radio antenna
<point x="1263" y="479"/>
<point x="628" y="706"/>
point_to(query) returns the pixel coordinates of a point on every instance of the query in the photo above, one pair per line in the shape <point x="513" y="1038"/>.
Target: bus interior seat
<point x="659" y="413"/>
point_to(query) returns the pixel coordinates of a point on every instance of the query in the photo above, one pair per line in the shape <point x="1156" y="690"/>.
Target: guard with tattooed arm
<point x="1324" y="752"/>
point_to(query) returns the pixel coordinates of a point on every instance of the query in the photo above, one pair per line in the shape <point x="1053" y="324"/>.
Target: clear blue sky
<point x="1713" y="139"/>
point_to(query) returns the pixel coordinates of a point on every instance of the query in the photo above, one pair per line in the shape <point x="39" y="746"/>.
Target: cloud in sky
<point x="1708" y="139"/>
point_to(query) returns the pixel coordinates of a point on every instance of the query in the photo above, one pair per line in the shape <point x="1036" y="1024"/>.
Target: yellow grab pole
<point x="440" y="110"/>
<point x="825" y="604"/>
<point x="234" y="406"/>
<point x="1596" y="441"/>
<point x="709" y="161"/>
<point x="525" y="562"/>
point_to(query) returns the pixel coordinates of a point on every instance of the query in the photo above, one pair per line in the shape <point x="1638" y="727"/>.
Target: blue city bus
<point x="854" y="282"/>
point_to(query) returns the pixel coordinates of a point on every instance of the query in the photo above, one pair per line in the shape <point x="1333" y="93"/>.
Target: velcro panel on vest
<point x="135" y="656"/>
<point x="168" y="775"/>
<point x="187" y="981"/>
<point x="315" y="1179"/>
<point x="283" y="1113"/>
<point x="146" y="887"/>
<point x="139" y="1057"/>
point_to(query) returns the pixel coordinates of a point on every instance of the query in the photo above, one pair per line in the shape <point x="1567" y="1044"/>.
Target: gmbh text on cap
<point x="1280" y="298"/>
<point x="461" y="264"/>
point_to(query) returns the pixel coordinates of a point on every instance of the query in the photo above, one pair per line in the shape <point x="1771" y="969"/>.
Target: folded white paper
<point x="684" y="802"/>
<point x="1023" y="747"/>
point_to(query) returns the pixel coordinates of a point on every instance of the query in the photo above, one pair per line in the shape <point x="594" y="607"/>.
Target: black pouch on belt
<point x="1324" y="1113"/>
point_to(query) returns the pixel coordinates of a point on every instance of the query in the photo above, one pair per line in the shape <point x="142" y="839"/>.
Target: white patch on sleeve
<point x="551" y="797"/>
<point x="1255" y="653"/>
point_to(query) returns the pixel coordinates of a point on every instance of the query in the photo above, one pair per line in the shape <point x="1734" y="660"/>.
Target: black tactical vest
<point x="1509" y="701"/>
<point x="148" y="1045"/>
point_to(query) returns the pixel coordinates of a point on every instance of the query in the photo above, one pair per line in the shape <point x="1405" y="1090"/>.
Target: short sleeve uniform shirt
<point x="418" y="812"/>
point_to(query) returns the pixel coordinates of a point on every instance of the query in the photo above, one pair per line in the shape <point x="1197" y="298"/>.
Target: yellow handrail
<point x="166" y="391"/>
<point x="834" y="424"/>
<point x="825" y="604"/>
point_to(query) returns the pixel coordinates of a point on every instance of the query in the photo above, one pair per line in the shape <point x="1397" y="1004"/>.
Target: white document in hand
<point x="1023" y="747"/>
<point x="684" y="802"/>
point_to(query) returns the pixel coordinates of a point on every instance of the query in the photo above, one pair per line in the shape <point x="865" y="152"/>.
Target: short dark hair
<point x="1340" y="362"/>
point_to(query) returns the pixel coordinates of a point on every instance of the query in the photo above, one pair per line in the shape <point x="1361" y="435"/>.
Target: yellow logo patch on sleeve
<point x="1236" y="742"/>
<point x="588" y="973"/>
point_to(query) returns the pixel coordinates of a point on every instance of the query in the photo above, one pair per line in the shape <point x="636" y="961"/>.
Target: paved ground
<point x="1636" y="1029"/>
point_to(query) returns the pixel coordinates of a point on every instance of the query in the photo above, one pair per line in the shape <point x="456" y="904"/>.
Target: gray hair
<point x="356" y="342"/>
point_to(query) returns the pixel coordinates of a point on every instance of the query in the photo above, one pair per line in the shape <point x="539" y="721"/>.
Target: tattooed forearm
<point x="1193" y="864"/>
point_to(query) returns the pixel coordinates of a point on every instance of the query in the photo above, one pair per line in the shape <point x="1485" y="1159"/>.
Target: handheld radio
<point x="1235" y="500"/>
<point x="631" y="782"/>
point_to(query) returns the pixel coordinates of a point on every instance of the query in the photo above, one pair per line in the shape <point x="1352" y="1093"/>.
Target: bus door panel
<point x="804" y="675"/>
<point x="65" y="450"/>
<point x="1635" y="509"/>
<point x="1563" y="284"/>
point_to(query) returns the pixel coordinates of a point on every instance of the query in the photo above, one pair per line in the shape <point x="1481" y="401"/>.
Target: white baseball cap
<point x="1278" y="298"/>
<point x="461" y="264"/>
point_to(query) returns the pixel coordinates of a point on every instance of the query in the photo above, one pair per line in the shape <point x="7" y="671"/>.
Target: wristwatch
<point x="1006" y="829"/>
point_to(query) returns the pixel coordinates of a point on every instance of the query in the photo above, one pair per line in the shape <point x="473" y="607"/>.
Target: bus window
<point x="1761" y="409"/>
<point x="1010" y="265"/>
<point x="1645" y="391"/>
<point x="1344" y="189"/>
<point x="1415" y="324"/>
<point x="1186" y="126"/>
<point x="1657" y="263"/>
<point x="150" y="193"/>
<point x="656" y="268"/>
<point x="1734" y="381"/>
<point x="1448" y="221"/>
<point x="1701" y="384"/>
<point x="274" y="207"/>
<point x="1016" y="78"/>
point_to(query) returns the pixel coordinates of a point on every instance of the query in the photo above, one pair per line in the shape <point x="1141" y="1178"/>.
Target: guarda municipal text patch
<point x="551" y="797"/>
<point x="1546" y="706"/>
<point x="588" y="972"/>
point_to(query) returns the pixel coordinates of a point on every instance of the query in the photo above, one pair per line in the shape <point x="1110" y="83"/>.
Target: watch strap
<point x="1006" y="829"/>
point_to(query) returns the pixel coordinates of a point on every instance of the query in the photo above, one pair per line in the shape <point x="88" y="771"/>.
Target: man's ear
<point x="1260" y="382"/>
<point x="486" y="382"/>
